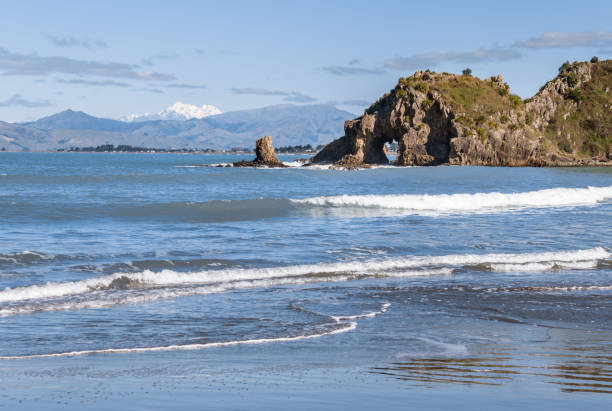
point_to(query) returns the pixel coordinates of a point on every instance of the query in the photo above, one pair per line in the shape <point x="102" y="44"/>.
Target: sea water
<point x="141" y="281"/>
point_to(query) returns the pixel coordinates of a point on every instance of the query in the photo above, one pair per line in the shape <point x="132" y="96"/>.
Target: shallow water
<point x="255" y="287"/>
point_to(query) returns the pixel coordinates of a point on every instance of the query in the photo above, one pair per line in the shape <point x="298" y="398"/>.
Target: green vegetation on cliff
<point x="480" y="102"/>
<point x="583" y="119"/>
<point x="472" y="95"/>
<point x="479" y="106"/>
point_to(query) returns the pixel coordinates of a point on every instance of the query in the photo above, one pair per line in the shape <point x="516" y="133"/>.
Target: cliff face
<point x="450" y="119"/>
<point x="574" y="111"/>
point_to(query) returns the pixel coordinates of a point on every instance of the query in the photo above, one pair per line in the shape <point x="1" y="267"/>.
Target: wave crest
<point x="138" y="287"/>
<point x="423" y="203"/>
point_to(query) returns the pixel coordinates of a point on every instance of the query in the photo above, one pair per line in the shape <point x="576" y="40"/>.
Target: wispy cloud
<point x="150" y="61"/>
<point x="560" y="39"/>
<point x="351" y="70"/>
<point x="299" y="98"/>
<point x="151" y="90"/>
<point x="361" y="103"/>
<point x="190" y="86"/>
<point x="554" y="39"/>
<point x="101" y="83"/>
<point x="200" y="52"/>
<point x="32" y="64"/>
<point x="257" y="91"/>
<point x="353" y="62"/>
<point x="292" y="96"/>
<point x="425" y="60"/>
<point x="63" y="41"/>
<point x="18" y="100"/>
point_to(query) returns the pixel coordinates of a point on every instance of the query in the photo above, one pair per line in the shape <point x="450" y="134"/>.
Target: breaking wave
<point x="144" y="286"/>
<point x="554" y="197"/>
<point x="342" y="205"/>
<point x="25" y="257"/>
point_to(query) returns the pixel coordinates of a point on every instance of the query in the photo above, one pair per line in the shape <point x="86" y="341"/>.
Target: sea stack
<point x="264" y="155"/>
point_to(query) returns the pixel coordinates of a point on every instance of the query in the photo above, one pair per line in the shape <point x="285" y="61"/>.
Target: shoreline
<point x="587" y="163"/>
<point x="154" y="152"/>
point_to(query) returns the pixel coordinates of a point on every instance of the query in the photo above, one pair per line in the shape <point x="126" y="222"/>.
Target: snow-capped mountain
<point x="177" y="111"/>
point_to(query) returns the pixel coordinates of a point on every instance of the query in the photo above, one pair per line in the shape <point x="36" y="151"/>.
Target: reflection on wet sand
<point x="572" y="373"/>
<point x="486" y="371"/>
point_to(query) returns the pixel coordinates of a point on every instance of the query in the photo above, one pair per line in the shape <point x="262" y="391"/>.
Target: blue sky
<point x="113" y="58"/>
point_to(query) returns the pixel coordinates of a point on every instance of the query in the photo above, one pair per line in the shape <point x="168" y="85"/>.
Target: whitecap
<point x="438" y="203"/>
<point x="148" y="285"/>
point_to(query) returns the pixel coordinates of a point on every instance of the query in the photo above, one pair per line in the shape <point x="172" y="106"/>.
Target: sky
<point x="113" y="58"/>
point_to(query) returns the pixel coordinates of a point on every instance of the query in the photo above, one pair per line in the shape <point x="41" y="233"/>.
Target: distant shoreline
<point x="126" y="148"/>
<point x="155" y="152"/>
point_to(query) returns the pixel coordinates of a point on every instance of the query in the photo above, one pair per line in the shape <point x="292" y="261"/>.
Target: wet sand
<point x="551" y="368"/>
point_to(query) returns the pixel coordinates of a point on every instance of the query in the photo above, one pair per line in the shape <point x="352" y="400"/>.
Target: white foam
<point x="294" y="163"/>
<point x="340" y="168"/>
<point x="351" y="326"/>
<point x="551" y="265"/>
<point x="214" y="165"/>
<point x="573" y="288"/>
<point x="422" y="264"/>
<point x="419" y="273"/>
<point x="318" y="167"/>
<point x="383" y="309"/>
<point x="555" y="197"/>
<point x="154" y="294"/>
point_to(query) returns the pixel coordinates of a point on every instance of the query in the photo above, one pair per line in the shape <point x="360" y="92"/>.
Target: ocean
<point x="144" y="281"/>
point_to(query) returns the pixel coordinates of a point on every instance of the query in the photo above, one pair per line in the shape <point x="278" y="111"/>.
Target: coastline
<point x="583" y="163"/>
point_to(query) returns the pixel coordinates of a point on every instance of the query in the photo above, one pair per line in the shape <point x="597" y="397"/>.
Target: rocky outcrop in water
<point x="264" y="155"/>
<point x="442" y="118"/>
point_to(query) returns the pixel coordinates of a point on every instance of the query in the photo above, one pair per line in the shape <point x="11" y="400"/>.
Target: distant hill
<point x="77" y="120"/>
<point x="288" y="125"/>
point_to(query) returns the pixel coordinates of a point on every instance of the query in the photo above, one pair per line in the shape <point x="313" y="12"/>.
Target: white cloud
<point x="350" y="70"/>
<point x="558" y="39"/>
<point x="189" y="86"/>
<point x="102" y="83"/>
<point x="18" y="100"/>
<point x="63" y="41"/>
<point x="33" y="64"/>
<point x="150" y="61"/>
<point x="425" y="60"/>
<point x="293" y="96"/>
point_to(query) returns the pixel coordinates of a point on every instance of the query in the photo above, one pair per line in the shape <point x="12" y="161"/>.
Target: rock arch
<point x="423" y="137"/>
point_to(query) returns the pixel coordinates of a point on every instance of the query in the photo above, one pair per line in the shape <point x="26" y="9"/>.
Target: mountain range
<point x="287" y="124"/>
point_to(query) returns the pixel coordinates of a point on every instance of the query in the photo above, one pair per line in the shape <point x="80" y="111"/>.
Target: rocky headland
<point x="443" y="118"/>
